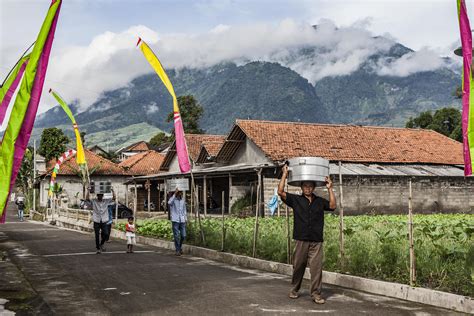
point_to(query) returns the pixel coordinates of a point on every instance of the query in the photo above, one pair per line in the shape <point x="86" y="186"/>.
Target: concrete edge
<point x="451" y="301"/>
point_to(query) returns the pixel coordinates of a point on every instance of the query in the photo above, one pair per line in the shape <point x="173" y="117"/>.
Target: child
<point x="130" y="233"/>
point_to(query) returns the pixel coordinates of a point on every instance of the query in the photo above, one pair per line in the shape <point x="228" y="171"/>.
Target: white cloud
<point x="151" y="108"/>
<point x="422" y="60"/>
<point x="111" y="60"/>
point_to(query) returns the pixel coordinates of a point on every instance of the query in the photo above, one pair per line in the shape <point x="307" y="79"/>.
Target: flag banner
<point x="59" y="162"/>
<point x="181" y="148"/>
<point x="22" y="117"/>
<point x="10" y="85"/>
<point x="80" y="156"/>
<point x="467" y="88"/>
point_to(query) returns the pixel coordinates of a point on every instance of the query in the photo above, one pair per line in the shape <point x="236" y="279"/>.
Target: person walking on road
<point x="308" y="210"/>
<point x="178" y="219"/>
<point x="100" y="216"/>
<point x="20" y="202"/>
<point x="110" y="209"/>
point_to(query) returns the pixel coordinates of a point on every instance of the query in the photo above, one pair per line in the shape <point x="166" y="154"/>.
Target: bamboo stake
<point x="204" y="195"/>
<point x="251" y="196"/>
<point x="223" y="223"/>
<point x="199" y="218"/>
<point x="410" y="236"/>
<point x="341" y="220"/>
<point x="288" y="239"/>
<point x="257" y="211"/>
<point x="148" y="186"/>
<point x="135" y="203"/>
<point x="34" y="177"/>
<point x="230" y="190"/>
<point x="159" y="197"/>
<point x="116" y="208"/>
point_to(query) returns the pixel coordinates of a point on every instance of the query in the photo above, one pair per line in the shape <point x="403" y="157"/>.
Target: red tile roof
<point x="194" y="142"/>
<point x="144" y="163"/>
<point x="138" y="146"/>
<point x="97" y="166"/>
<point x="214" y="146"/>
<point x="283" y="140"/>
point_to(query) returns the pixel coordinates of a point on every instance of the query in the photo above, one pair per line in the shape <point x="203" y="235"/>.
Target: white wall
<point x="249" y="153"/>
<point x="72" y="186"/>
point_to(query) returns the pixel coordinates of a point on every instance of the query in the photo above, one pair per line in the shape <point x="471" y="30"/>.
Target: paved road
<point x="63" y="276"/>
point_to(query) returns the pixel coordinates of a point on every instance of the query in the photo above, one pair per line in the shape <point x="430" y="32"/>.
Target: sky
<point x="94" y="48"/>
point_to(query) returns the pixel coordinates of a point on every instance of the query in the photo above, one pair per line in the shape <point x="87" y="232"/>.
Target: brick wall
<point x="389" y="195"/>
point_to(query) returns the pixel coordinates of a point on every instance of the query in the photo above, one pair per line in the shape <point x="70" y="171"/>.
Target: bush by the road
<point x="375" y="246"/>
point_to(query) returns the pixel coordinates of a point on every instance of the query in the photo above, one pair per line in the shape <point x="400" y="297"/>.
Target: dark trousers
<point x="102" y="229"/>
<point x="179" y="233"/>
<point x="109" y="230"/>
<point x="308" y="252"/>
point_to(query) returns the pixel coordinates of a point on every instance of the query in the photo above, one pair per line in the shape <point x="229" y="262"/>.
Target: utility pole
<point x="34" y="177"/>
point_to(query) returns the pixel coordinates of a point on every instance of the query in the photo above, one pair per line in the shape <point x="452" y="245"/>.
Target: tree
<point x="423" y="120"/>
<point x="160" y="139"/>
<point x="191" y="112"/>
<point x="446" y="121"/>
<point x="53" y="143"/>
<point x="25" y="178"/>
<point x="83" y="137"/>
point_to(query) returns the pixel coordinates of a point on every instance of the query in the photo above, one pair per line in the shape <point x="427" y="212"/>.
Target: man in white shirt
<point x="178" y="219"/>
<point x="100" y="216"/>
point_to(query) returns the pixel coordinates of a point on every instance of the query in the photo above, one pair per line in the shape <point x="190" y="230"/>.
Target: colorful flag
<point x="22" y="117"/>
<point x="80" y="157"/>
<point x="11" y="83"/>
<point x="59" y="162"/>
<point x="467" y="88"/>
<point x="181" y="148"/>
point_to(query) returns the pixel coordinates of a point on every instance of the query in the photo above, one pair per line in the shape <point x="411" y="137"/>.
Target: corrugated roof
<point x="144" y="163"/>
<point x="282" y="140"/>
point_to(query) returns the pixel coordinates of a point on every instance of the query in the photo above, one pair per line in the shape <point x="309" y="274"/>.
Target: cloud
<point x="422" y="60"/>
<point x="111" y="60"/>
<point x="151" y="108"/>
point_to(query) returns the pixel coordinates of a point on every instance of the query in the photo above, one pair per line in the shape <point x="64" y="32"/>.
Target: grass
<point x="375" y="246"/>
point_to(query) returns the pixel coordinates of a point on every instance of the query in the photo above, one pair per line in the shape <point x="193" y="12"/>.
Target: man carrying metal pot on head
<point x="308" y="210"/>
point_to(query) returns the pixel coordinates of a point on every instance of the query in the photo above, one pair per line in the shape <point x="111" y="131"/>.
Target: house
<point x="96" y="149"/>
<point x="104" y="174"/>
<point x="375" y="164"/>
<point x="145" y="163"/>
<point x="133" y="149"/>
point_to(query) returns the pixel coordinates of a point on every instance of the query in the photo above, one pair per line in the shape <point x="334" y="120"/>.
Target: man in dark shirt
<point x="308" y="212"/>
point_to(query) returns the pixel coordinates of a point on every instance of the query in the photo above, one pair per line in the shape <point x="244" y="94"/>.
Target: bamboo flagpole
<point x="116" y="207"/>
<point x="223" y="221"/>
<point x="341" y="219"/>
<point x="257" y="214"/>
<point x="410" y="237"/>
<point x="288" y="238"/>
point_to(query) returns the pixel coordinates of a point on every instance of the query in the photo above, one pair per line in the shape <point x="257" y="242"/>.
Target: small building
<point x="141" y="164"/>
<point x="375" y="164"/>
<point x="96" y="149"/>
<point x="133" y="149"/>
<point x="103" y="173"/>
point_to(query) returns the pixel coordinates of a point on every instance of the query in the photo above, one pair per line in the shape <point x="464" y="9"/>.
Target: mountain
<point x="263" y="90"/>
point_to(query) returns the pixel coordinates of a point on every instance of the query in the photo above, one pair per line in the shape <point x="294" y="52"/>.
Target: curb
<point x="451" y="301"/>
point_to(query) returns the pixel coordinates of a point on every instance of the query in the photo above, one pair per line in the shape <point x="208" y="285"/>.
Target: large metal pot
<point x="307" y="169"/>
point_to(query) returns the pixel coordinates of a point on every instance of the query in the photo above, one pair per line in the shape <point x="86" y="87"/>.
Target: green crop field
<point x="375" y="246"/>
